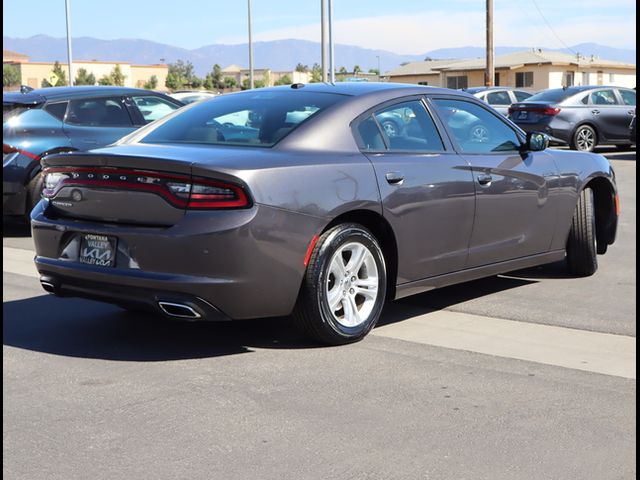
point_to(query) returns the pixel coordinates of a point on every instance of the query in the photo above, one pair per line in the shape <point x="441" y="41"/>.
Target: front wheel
<point x="582" y="258"/>
<point x="344" y="287"/>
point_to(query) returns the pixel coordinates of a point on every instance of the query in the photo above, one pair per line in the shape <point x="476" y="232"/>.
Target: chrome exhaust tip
<point x="48" y="286"/>
<point x="178" y="310"/>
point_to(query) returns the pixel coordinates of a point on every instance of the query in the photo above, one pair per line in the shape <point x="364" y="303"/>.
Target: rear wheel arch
<point x="605" y="211"/>
<point x="382" y="231"/>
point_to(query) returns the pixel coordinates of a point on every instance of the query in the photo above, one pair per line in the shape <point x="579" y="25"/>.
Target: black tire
<point x="582" y="259"/>
<point x="34" y="193"/>
<point x="584" y="139"/>
<point x="312" y="314"/>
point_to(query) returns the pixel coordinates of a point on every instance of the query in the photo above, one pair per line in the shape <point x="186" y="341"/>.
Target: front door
<point x="515" y="213"/>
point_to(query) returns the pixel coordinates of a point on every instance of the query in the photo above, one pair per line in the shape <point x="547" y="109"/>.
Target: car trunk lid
<point x="532" y="112"/>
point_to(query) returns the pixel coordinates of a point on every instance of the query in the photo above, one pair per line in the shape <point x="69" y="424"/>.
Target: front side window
<point x="603" y="97"/>
<point x="476" y="129"/>
<point x="498" y="98"/>
<point x="98" y="112"/>
<point x="524" y="79"/>
<point x="408" y="127"/>
<point x="628" y="97"/>
<point x="254" y="118"/>
<point x="152" y="107"/>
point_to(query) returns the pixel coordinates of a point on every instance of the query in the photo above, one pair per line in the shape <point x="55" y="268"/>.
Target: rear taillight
<point x="551" y="111"/>
<point x="541" y="110"/>
<point x="180" y="191"/>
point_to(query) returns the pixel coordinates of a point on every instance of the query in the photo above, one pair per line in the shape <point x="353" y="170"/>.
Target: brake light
<point x="542" y="110"/>
<point x="551" y="111"/>
<point x="180" y="191"/>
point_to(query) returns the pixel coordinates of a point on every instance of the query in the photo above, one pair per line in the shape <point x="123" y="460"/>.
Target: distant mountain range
<point x="277" y="55"/>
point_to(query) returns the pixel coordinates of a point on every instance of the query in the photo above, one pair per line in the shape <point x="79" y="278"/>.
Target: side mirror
<point x="536" y="142"/>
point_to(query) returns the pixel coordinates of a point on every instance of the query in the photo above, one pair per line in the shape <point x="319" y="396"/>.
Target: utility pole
<point x="250" y="46"/>
<point x="69" y="57"/>
<point x="489" y="74"/>
<point x="379" y="72"/>
<point x="323" y="38"/>
<point x="332" y="64"/>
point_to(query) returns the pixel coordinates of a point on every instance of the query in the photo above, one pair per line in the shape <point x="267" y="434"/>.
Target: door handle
<point x="595" y="112"/>
<point x="484" y="180"/>
<point x="394" y="178"/>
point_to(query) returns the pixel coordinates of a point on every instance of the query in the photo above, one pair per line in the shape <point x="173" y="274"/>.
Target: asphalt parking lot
<point x="529" y="375"/>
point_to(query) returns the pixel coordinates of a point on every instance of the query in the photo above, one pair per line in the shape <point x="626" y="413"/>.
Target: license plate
<point x="523" y="115"/>
<point x="98" y="250"/>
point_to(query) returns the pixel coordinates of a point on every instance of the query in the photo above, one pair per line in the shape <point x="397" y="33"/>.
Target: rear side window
<point x="98" y="112"/>
<point x="255" y="118"/>
<point x="603" y="97"/>
<point x="628" y="97"/>
<point x="521" y="96"/>
<point x="57" y="109"/>
<point x="408" y="127"/>
<point x="370" y="135"/>
<point x="152" y="107"/>
<point x="498" y="98"/>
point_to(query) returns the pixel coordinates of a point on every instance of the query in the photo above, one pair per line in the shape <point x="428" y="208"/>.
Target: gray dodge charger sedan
<point x="294" y="200"/>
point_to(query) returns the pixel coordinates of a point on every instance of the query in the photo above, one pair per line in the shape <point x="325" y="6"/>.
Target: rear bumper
<point x="225" y="264"/>
<point x="560" y="134"/>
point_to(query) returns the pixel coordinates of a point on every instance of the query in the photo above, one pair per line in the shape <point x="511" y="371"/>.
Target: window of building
<point x="612" y="77"/>
<point x="423" y="83"/>
<point x="569" y="79"/>
<point x="585" y="78"/>
<point x="457" y="82"/>
<point x="524" y="79"/>
<point x="496" y="79"/>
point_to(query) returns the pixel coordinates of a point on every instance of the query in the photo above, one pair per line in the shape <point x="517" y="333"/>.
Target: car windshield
<point x="554" y="95"/>
<point x="256" y="118"/>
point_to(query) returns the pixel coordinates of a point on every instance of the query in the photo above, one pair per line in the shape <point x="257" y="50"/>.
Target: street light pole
<point x="332" y="65"/>
<point x="69" y="57"/>
<point x="489" y="76"/>
<point x="323" y="38"/>
<point x="250" y="46"/>
<point x="379" y="72"/>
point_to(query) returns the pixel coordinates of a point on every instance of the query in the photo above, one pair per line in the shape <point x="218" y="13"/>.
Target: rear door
<point x="426" y="188"/>
<point x="515" y="211"/>
<point x="628" y="98"/>
<point x="97" y="121"/>
<point x="609" y="115"/>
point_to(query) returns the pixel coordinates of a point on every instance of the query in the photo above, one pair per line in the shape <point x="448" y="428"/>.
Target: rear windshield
<point x="555" y="95"/>
<point x="12" y="109"/>
<point x="256" y="118"/>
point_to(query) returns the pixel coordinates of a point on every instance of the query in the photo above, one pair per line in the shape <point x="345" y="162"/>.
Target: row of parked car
<point x="40" y="122"/>
<point x="581" y="117"/>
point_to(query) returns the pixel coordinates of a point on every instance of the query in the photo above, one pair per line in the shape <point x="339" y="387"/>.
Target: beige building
<point x="33" y="73"/>
<point x="530" y="70"/>
<point x="266" y="75"/>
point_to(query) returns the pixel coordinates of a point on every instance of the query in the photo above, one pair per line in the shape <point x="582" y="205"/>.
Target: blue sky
<point x="401" y="26"/>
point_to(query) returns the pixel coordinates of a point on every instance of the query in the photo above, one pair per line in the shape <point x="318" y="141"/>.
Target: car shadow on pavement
<point x="12" y="228"/>
<point x="82" y="328"/>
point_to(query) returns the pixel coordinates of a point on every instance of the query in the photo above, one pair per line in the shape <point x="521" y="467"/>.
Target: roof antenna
<point x="297" y="85"/>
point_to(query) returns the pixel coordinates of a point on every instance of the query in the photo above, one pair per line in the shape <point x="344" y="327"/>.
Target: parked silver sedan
<point x="314" y="209"/>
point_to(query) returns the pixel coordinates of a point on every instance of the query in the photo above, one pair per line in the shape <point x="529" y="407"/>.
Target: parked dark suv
<point x="36" y="123"/>
<point x="581" y="117"/>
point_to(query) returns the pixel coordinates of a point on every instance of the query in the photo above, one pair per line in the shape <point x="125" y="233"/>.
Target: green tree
<point x="343" y="71"/>
<point x="256" y="84"/>
<point x="230" y="82"/>
<point x="213" y="80"/>
<point x="356" y="69"/>
<point x="60" y="73"/>
<point x="284" y="80"/>
<point x="375" y="71"/>
<point x="302" y="68"/>
<point x="85" y="78"/>
<point x="117" y="77"/>
<point x="10" y="75"/>
<point x="105" y="80"/>
<point x="316" y="73"/>
<point x="152" y="83"/>
<point x="180" y="75"/>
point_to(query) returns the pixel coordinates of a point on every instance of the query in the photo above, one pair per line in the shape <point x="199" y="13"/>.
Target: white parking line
<point x="564" y="347"/>
<point x="20" y="261"/>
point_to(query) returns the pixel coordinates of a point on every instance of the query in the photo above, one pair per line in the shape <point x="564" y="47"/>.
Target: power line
<point x="535" y="4"/>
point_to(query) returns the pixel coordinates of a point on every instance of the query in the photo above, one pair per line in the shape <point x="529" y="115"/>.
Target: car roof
<point x="63" y="93"/>
<point x="360" y="88"/>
